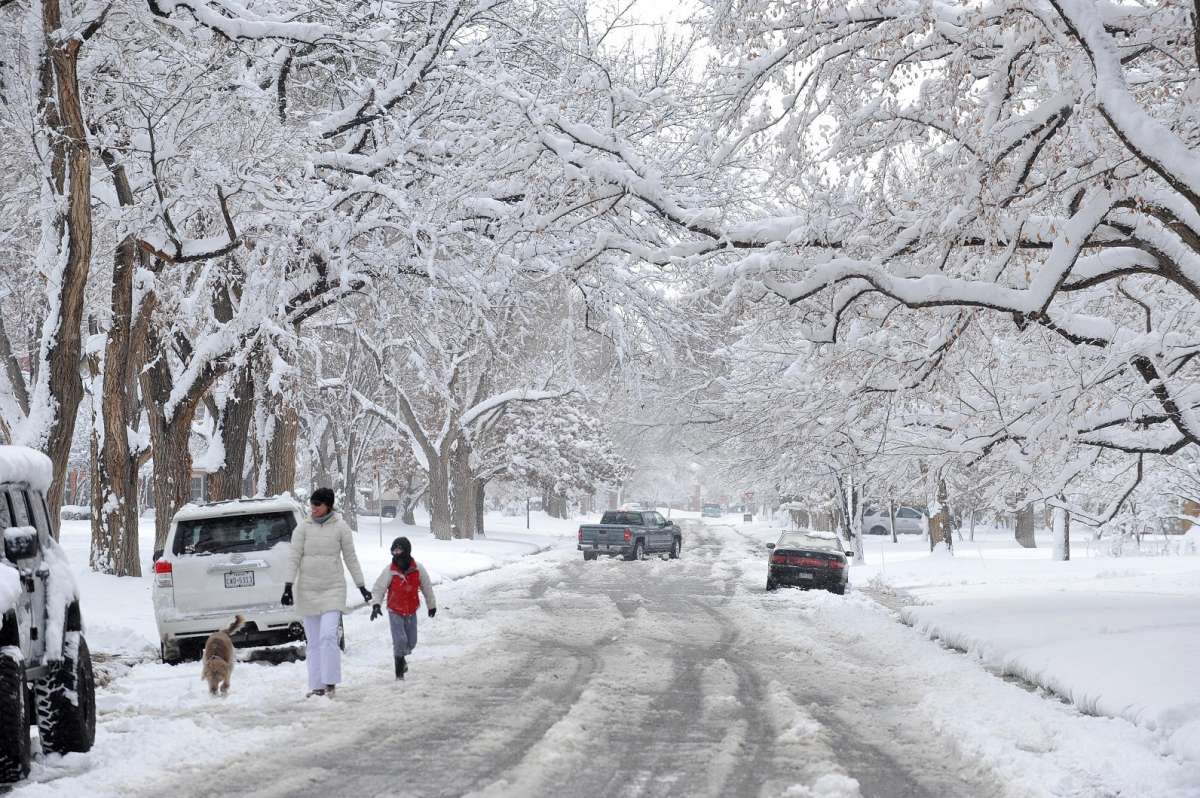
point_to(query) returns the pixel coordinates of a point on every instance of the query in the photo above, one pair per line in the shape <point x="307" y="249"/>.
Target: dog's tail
<point x="238" y="623"/>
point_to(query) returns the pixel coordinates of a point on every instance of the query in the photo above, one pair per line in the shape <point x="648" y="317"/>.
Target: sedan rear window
<point x="256" y="532"/>
<point x="618" y="517"/>
<point x="809" y="542"/>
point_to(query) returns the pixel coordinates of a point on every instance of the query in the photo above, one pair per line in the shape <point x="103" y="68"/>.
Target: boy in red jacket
<point x="402" y="583"/>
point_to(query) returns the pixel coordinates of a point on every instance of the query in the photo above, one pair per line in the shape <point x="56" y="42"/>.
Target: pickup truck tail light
<point x="580" y="534"/>
<point x="628" y="534"/>
<point x="163" y="574"/>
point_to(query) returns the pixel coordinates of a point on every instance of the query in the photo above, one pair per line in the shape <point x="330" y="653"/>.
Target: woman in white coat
<point x="319" y="545"/>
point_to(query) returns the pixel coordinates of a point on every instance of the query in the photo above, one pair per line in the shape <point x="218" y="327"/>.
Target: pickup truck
<point x="631" y="534"/>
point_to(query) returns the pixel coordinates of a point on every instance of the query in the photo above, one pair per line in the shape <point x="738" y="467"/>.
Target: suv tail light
<point x="163" y="575"/>
<point x="628" y="534"/>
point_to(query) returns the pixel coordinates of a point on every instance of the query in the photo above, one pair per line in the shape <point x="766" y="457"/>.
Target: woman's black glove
<point x="286" y="598"/>
<point x="432" y="611"/>
<point x="366" y="594"/>
<point x="376" y="612"/>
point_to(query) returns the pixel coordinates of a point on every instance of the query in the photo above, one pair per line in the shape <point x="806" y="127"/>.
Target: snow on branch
<point x="479" y="410"/>
<point x="234" y="21"/>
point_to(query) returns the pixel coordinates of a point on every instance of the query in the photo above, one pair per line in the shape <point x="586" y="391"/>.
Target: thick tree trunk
<point x="1024" y="529"/>
<point x="169" y="438"/>
<point x="1062" y="534"/>
<point x="322" y="473"/>
<point x="462" y="490"/>
<point x="172" y="467"/>
<point x="480" y="490"/>
<point x="234" y="428"/>
<point x="114" y="461"/>
<point x="281" y="449"/>
<point x="70" y="173"/>
<point x="439" y="499"/>
<point x="409" y="496"/>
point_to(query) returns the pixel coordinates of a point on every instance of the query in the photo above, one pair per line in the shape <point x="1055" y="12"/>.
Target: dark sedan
<point x="808" y="559"/>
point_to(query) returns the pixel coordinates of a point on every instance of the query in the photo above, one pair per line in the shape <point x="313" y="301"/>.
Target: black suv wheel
<point x="66" y="700"/>
<point x="14" y="721"/>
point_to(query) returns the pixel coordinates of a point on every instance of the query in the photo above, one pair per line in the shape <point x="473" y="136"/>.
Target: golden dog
<point x="218" y="657"/>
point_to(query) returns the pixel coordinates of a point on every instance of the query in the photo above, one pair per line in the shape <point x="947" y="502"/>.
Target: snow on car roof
<point x="283" y="502"/>
<point x="22" y="464"/>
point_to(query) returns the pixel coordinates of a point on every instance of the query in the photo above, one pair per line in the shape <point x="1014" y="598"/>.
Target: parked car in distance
<point x="222" y="559"/>
<point x="711" y="511"/>
<point x="46" y="675"/>
<point x="631" y="534"/>
<point x="909" y="521"/>
<point x="808" y="559"/>
<point x="635" y="506"/>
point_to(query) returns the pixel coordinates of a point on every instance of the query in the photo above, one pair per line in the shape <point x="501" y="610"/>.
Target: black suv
<point x="45" y="668"/>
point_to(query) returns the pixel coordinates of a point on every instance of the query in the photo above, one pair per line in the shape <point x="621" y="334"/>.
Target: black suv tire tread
<point x="66" y="725"/>
<point x="14" y="721"/>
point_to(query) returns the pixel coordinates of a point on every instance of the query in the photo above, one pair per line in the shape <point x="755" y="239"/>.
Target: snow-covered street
<point x="552" y="676"/>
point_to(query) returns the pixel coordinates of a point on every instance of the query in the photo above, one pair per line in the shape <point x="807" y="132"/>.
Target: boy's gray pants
<point x="404" y="633"/>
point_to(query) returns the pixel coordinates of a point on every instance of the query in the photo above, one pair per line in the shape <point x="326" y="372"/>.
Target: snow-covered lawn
<point x="1114" y="636"/>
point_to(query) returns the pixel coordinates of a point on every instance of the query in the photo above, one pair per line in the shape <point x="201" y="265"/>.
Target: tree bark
<point x="350" y="482"/>
<point x="892" y="519"/>
<point x="115" y="463"/>
<point x="439" y="498"/>
<point x="1024" y="528"/>
<point x="940" y="528"/>
<point x="480" y="489"/>
<point x="169" y="437"/>
<point x="71" y="175"/>
<point x="462" y="489"/>
<point x="281" y="449"/>
<point x="409" y="496"/>
<point x="233" y="426"/>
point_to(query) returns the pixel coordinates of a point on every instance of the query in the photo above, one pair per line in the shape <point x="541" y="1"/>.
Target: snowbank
<point x="22" y="464"/>
<point x="1083" y="619"/>
<point x="10" y="586"/>
<point x="1114" y="636"/>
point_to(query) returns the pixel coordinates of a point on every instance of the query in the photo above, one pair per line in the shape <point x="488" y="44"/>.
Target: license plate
<point x="800" y="575"/>
<point x="239" y="579"/>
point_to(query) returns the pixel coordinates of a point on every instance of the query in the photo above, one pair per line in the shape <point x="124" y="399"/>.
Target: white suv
<point x="909" y="521"/>
<point x="222" y="559"/>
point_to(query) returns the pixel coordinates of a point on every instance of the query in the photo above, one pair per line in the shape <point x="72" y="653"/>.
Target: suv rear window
<point x="619" y="517"/>
<point x="257" y="532"/>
